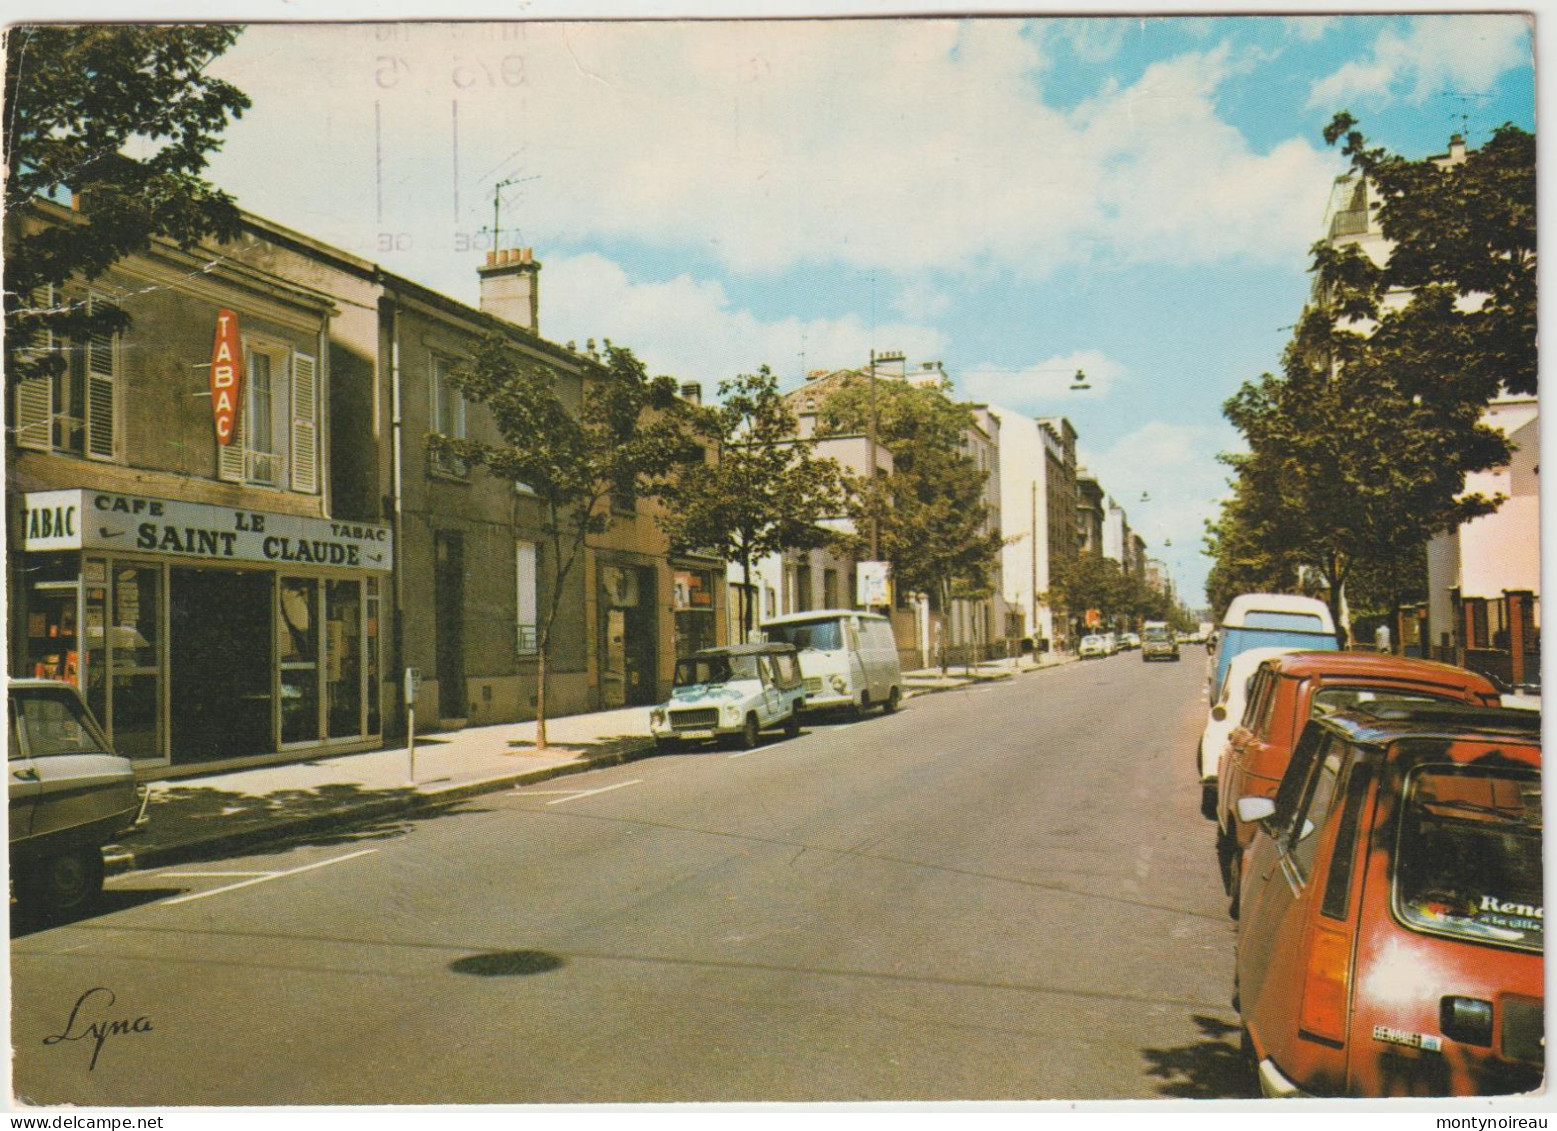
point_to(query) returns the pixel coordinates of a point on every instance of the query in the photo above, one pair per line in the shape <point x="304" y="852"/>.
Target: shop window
<point x="132" y="633"/>
<point x="370" y="631"/>
<point x="275" y="441"/>
<point x="343" y="657"/>
<point x="75" y="410"/>
<point x="446" y="414"/>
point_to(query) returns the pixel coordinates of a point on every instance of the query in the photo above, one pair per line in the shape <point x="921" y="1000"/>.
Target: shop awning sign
<point x="103" y="521"/>
<point x="226" y="376"/>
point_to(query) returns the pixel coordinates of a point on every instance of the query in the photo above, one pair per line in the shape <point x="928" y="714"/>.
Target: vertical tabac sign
<point x="226" y="375"/>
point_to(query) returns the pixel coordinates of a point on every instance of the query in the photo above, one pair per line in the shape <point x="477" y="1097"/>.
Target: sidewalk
<point x="356" y="795"/>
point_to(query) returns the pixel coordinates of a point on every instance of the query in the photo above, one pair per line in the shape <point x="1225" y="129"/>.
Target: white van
<point x="847" y="658"/>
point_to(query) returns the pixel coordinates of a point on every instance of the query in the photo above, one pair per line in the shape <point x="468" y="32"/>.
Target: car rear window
<point x="1329" y="700"/>
<point x="714" y="669"/>
<point x="1468" y="855"/>
<point x="1299" y="622"/>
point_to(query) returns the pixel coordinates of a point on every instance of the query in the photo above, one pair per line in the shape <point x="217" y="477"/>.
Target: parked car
<point x="1290" y="689"/>
<point x="1260" y="620"/>
<point x="1159" y="644"/>
<point x="1095" y="647"/>
<point x="1129" y="640"/>
<point x="1224" y="715"/>
<point x="1391" y="938"/>
<point x="735" y="692"/>
<point x="70" y="794"/>
<point x="848" y="658"/>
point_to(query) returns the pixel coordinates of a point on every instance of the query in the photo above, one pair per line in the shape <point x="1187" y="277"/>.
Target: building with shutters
<point x="204" y="595"/>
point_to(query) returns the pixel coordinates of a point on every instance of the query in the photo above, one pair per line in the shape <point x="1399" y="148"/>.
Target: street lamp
<point x="1080" y="383"/>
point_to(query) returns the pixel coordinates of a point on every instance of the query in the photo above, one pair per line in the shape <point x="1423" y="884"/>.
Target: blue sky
<point x="1015" y="198"/>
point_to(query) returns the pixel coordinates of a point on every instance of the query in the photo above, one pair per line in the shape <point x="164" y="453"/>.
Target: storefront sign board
<point x="79" y="519"/>
<point x="226" y="375"/>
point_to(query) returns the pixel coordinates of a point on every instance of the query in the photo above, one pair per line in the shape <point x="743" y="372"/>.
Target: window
<point x="1303" y="840"/>
<point x="275" y="440"/>
<point x="446" y="414"/>
<point x="1468" y="854"/>
<point x="73" y="411"/>
<point x="526" y="641"/>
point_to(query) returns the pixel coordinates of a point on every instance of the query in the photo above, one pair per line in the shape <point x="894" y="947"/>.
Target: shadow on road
<point x="1211" y="1069"/>
<point x="507" y="963"/>
<point x="112" y="900"/>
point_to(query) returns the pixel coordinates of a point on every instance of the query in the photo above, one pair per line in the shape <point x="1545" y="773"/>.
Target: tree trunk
<point x="540" y="693"/>
<point x="748" y="613"/>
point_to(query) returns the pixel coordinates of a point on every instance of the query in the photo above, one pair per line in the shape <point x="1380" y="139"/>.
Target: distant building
<point x="1038" y="515"/>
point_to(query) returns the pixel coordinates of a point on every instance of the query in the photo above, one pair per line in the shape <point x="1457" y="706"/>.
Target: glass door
<point x="297" y="650"/>
<point x="343" y="658"/>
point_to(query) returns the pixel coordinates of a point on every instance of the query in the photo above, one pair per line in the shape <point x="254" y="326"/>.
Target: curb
<point x="119" y="859"/>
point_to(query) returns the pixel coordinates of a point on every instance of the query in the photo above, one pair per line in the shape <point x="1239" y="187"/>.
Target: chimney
<point x="1456" y="149"/>
<point x="511" y="287"/>
<point x="692" y="391"/>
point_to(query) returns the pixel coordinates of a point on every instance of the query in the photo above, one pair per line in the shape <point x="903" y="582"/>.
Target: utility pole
<point x="871" y="445"/>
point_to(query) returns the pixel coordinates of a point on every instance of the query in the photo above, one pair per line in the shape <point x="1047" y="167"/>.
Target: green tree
<point x="1090" y="582"/>
<point x="1463" y="244"/>
<point x="930" y="511"/>
<point x="78" y="101"/>
<point x="764" y="492"/>
<point x="1347" y="464"/>
<point x="626" y="436"/>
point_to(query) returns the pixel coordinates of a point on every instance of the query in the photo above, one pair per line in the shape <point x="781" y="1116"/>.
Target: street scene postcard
<point x="915" y="559"/>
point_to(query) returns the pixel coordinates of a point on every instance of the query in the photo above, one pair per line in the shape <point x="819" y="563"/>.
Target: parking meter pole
<point x="413" y="684"/>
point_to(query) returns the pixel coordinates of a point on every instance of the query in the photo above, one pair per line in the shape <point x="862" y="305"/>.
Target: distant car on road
<point x="1392" y="932"/>
<point x="69" y="794"/>
<point x="735" y="692"/>
<point x="1094" y="648"/>
<point x="1129" y="640"/>
<point x="1288" y="690"/>
<point x="1159" y="644"/>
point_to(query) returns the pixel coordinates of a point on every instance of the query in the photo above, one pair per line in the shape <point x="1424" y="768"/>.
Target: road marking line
<point x="212" y="875"/>
<point x="592" y="792"/>
<point x="270" y="876"/>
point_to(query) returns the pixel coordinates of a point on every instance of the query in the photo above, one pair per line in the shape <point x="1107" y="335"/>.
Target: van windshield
<point x="812" y="635"/>
<point x="1468" y="857"/>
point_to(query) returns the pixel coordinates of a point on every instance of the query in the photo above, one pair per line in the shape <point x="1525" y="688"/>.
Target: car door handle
<point x="29" y="773"/>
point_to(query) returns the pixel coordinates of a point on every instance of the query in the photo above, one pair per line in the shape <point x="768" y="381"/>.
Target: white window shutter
<point x="305" y="424"/>
<point x="35" y="396"/>
<point x="102" y="392"/>
<point x="230" y="457"/>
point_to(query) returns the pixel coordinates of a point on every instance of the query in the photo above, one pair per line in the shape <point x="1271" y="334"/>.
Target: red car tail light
<point x="1327" y="985"/>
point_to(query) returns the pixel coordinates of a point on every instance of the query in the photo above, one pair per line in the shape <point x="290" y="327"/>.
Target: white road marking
<point x="592" y="792"/>
<point x="211" y="875"/>
<point x="262" y="878"/>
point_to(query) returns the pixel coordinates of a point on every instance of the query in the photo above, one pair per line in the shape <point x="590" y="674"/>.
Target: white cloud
<point x="690" y="328"/>
<point x="904" y="145"/>
<point x="1309" y="29"/>
<point x="1174" y="465"/>
<point x="1456" y="53"/>
<point x="1043" y="388"/>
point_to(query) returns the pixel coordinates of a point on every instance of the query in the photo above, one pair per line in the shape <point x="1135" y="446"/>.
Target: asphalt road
<point x="997" y="894"/>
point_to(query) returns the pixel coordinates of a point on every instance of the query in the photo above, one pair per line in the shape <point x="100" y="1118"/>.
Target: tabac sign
<point x="226" y="375"/>
<point x="79" y="519"/>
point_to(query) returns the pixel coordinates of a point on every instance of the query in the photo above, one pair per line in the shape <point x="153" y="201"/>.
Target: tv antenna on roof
<point x="1464" y="98"/>
<point x="497" y="204"/>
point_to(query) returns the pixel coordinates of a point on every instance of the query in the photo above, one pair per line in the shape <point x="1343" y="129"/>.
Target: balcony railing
<point x="1352" y="222"/>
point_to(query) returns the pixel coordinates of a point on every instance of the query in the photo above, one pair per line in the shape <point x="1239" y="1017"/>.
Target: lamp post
<point x="871" y="456"/>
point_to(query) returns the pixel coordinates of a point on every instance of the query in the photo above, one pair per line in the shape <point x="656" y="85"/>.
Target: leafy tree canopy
<point x="932" y="518"/>
<point x="764" y="492"/>
<point x="123" y="117"/>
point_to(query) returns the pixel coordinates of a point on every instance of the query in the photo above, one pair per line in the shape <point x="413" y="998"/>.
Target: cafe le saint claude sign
<point x="79" y="519"/>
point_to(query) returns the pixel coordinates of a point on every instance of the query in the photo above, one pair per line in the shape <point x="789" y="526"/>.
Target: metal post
<point x="871" y="455"/>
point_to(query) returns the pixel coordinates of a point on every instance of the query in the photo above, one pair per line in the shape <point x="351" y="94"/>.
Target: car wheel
<point x="1235" y="882"/>
<point x="859" y="709"/>
<point x="792" y="724"/>
<point x="1208" y="800"/>
<point x="749" y="733"/>
<point x="894" y="700"/>
<point x="62" y="884"/>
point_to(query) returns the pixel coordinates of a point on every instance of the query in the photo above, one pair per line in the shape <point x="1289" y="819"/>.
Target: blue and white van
<point x="848" y="658"/>
<point x="1270" y="620"/>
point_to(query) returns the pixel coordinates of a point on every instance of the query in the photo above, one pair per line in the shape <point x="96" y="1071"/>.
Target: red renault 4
<point x="1286" y="691"/>
<point x="1390" y="942"/>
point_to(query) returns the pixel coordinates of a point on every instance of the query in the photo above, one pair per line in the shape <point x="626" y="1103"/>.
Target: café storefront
<point x="205" y="634"/>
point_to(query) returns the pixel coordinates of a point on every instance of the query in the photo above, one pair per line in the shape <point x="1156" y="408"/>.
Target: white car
<point x="1225" y="714"/>
<point x="734" y="692"/>
<point x="1094" y="648"/>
